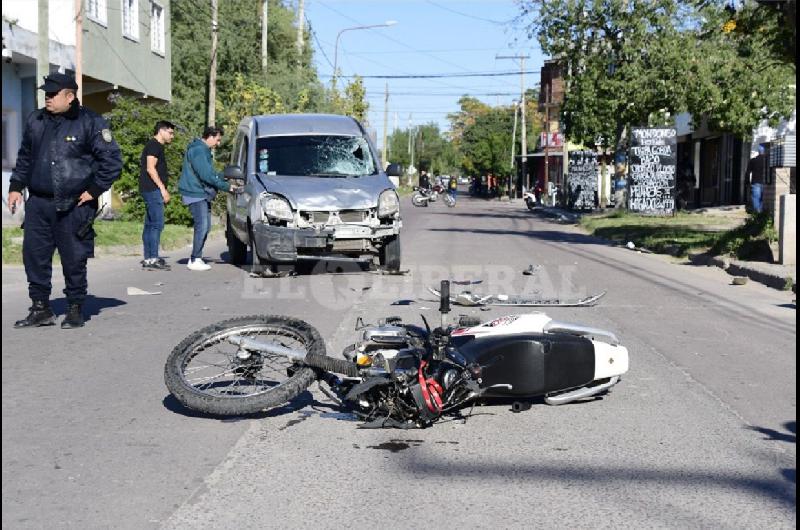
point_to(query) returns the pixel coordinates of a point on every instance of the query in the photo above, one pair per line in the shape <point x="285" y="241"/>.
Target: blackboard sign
<point x="651" y="171"/>
<point x="582" y="179"/>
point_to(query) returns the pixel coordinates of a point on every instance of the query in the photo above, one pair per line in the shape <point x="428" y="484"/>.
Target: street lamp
<point x="336" y="47"/>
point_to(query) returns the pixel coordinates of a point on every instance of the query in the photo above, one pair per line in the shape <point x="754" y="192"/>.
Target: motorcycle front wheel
<point x="205" y="373"/>
<point x="449" y="200"/>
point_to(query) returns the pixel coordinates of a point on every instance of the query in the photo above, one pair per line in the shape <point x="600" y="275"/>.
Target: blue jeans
<point x="153" y="222"/>
<point x="201" y="213"/>
<point x="755" y="196"/>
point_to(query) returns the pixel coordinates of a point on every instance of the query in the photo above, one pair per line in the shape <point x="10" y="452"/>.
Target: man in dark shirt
<point x="66" y="160"/>
<point x="153" y="187"/>
<point x="755" y="170"/>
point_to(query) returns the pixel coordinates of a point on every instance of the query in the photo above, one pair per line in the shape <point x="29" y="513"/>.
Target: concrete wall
<point x="787" y="230"/>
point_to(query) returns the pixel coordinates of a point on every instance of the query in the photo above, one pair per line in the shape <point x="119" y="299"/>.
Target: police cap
<point x="55" y="82"/>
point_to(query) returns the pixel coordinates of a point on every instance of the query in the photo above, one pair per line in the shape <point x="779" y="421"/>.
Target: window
<point x="130" y="19"/>
<point x="10" y="139"/>
<point x="97" y="10"/>
<point x="157" y="29"/>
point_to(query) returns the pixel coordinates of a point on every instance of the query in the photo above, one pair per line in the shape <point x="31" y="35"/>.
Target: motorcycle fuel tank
<point x="529" y="364"/>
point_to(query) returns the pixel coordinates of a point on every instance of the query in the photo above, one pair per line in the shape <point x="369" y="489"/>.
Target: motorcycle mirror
<point x="444" y="297"/>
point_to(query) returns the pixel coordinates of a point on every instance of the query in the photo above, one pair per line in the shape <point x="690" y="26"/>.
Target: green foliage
<point x="636" y="63"/>
<point x="749" y="241"/>
<point x="432" y="151"/>
<point x="132" y="122"/>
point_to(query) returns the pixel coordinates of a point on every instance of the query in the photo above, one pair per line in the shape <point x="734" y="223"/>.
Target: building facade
<point x="125" y="49"/>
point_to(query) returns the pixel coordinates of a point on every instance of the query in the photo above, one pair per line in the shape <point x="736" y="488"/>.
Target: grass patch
<point x="751" y="241"/>
<point x="111" y="236"/>
<point x="674" y="235"/>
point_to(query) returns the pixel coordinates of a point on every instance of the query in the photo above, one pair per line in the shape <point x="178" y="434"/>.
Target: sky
<point x="429" y="37"/>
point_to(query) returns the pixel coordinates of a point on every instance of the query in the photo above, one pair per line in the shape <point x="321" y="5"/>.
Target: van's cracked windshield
<point x="315" y="156"/>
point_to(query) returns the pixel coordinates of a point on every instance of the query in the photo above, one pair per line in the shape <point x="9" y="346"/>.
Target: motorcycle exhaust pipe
<point x="323" y="362"/>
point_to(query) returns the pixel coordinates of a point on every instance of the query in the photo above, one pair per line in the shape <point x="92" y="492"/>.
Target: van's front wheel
<point x="390" y="254"/>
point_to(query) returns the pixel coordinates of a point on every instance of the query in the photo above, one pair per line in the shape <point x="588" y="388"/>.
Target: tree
<point x="638" y="63"/>
<point x="132" y="121"/>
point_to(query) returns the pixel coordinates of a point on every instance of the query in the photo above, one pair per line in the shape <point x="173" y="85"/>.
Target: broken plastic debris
<point x="134" y="291"/>
<point x="630" y="245"/>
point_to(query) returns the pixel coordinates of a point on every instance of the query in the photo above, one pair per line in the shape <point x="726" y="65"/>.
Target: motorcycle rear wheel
<point x="419" y="200"/>
<point x="204" y="373"/>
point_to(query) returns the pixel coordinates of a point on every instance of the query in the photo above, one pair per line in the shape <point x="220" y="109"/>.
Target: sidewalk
<point x="772" y="275"/>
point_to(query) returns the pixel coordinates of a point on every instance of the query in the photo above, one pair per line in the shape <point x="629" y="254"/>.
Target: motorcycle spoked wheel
<point x="204" y="373"/>
<point x="449" y="201"/>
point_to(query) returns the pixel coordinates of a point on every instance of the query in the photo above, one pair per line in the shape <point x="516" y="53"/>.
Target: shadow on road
<point x="91" y="307"/>
<point x="772" y="434"/>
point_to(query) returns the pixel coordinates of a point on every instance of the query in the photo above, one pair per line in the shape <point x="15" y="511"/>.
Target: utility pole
<point x="546" y="179"/>
<point x="264" y="27"/>
<point x="513" y="144"/>
<point x="212" y="76"/>
<point x="524" y="158"/>
<point x="79" y="47"/>
<point x="43" y="53"/>
<point x="300" y="26"/>
<point x="385" y="125"/>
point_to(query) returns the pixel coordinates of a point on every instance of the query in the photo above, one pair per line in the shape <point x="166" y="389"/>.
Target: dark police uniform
<point x="62" y="156"/>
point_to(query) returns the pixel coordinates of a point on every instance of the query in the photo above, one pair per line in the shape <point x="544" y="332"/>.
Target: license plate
<point x="348" y="231"/>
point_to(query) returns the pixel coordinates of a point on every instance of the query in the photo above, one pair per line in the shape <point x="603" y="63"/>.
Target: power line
<point x="497" y="22"/>
<point x="387" y="37"/>
<point x="439" y="76"/>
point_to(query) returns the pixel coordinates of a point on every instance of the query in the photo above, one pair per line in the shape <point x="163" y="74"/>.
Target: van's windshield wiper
<point x="331" y="175"/>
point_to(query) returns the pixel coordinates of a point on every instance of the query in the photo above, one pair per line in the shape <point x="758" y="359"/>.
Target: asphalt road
<point x="700" y="433"/>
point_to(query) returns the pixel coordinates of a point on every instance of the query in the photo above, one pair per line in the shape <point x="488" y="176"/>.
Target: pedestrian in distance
<point x="756" y="169"/>
<point x="67" y="159"/>
<point x="198" y="184"/>
<point x="424" y="180"/>
<point x="153" y="179"/>
<point x="452" y="187"/>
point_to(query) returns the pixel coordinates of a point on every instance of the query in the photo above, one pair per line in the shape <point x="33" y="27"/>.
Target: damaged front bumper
<point x="282" y="244"/>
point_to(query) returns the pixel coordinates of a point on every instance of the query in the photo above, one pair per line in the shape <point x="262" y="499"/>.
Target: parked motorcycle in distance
<point x="423" y="196"/>
<point x="398" y="375"/>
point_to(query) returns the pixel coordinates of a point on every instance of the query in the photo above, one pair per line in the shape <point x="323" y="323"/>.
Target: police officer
<point x="66" y="161"/>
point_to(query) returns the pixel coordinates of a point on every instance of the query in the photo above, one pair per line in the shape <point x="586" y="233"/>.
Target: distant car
<point x="312" y="190"/>
<point x="463" y="180"/>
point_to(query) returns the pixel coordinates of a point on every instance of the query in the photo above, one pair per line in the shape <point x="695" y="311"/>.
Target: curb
<point x="741" y="268"/>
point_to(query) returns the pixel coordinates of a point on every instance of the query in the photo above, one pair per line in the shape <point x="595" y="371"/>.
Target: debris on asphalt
<point x="739" y="280"/>
<point x="630" y="245"/>
<point x="135" y="291"/>
<point x="402" y="302"/>
<point x="531" y="270"/>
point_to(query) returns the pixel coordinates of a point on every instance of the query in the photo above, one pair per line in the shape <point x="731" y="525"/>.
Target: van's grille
<point x="346" y="216"/>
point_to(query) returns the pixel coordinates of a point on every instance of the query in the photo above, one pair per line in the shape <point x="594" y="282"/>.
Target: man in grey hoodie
<point x="198" y="185"/>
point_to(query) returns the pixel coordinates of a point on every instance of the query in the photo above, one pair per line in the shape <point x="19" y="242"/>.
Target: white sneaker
<point x="197" y="264"/>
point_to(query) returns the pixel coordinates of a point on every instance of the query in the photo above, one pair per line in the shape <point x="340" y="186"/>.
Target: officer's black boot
<point x="40" y="315"/>
<point x="74" y="317"/>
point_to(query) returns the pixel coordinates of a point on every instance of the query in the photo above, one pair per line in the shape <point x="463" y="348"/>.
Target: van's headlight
<point x="388" y="204"/>
<point x="277" y="208"/>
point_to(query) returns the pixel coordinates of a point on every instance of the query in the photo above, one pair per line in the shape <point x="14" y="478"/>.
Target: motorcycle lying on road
<point x="423" y="196"/>
<point x="398" y="375"/>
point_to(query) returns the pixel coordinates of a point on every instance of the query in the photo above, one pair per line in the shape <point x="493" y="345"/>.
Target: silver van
<point x="312" y="189"/>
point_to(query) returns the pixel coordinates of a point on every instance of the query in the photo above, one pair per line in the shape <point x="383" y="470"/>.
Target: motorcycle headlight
<point x="277" y="208"/>
<point x="388" y="204"/>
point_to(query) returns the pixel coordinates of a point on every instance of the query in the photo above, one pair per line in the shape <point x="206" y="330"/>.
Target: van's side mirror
<point x="232" y="172"/>
<point x="394" y="170"/>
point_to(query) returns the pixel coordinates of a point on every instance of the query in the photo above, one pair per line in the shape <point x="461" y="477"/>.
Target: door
<point x="240" y="200"/>
<point x="710" y="172"/>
